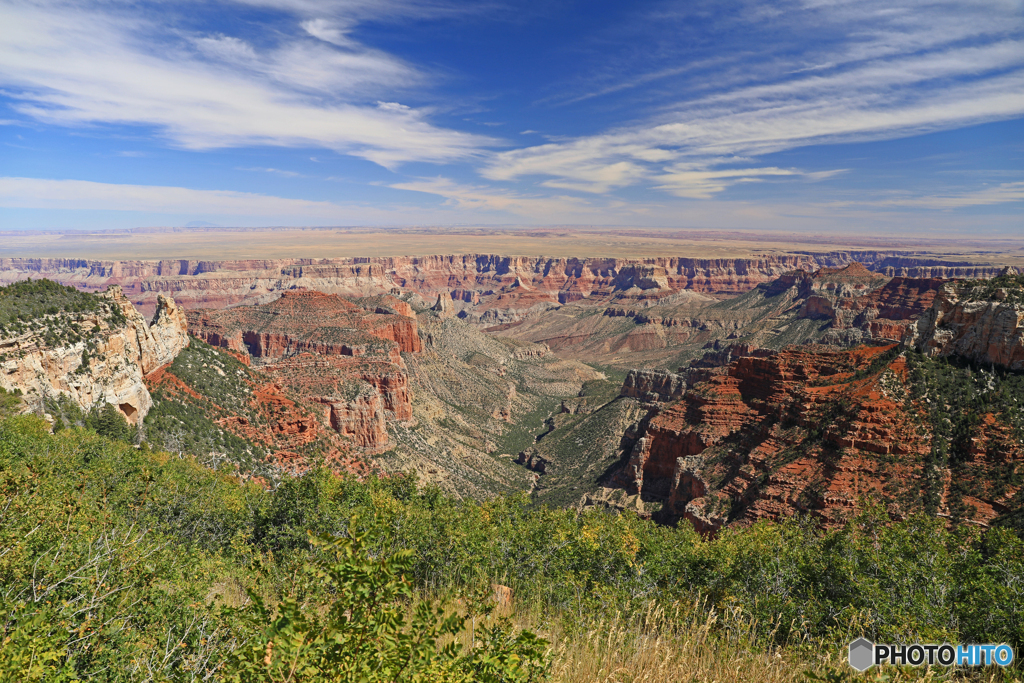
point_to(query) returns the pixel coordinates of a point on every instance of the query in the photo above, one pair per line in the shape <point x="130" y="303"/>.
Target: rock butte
<point x="333" y="352"/>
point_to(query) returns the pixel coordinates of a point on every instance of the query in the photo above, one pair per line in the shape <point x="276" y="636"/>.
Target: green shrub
<point x="119" y="563"/>
<point x="372" y="630"/>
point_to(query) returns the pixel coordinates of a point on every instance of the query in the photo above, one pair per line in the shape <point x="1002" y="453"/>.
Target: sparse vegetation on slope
<point x="1006" y="288"/>
<point x="213" y="385"/>
<point x="972" y="412"/>
<point x="54" y="313"/>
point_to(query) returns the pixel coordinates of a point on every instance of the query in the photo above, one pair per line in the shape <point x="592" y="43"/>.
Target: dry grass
<point x="690" y="643"/>
<point x="669" y="646"/>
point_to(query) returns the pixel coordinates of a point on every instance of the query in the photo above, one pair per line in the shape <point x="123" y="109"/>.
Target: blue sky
<point x="820" y="115"/>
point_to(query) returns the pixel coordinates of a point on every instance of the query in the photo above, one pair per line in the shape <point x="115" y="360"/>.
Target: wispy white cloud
<point x="76" y="63"/>
<point x="1004" y="193"/>
<point x="482" y="198"/>
<point x="814" y="67"/>
<point x="891" y="69"/>
<point x="43" y="193"/>
<point x="695" y="184"/>
<point x="275" y="171"/>
<point x="327" y="31"/>
<point x="462" y="202"/>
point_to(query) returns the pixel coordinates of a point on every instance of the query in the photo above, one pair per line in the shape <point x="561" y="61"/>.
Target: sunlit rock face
<point x="108" y="365"/>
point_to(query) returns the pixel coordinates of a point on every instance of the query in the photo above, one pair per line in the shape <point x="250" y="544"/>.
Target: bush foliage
<point x="119" y="563"/>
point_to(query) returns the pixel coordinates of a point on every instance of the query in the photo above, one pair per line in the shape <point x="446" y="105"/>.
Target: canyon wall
<point x="986" y="327"/>
<point x="488" y="287"/>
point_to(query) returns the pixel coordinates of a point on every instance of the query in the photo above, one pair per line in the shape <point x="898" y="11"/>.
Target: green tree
<point x="10" y="402"/>
<point x="108" y="421"/>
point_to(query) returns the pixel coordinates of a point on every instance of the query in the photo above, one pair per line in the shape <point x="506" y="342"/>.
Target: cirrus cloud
<point x="83" y="64"/>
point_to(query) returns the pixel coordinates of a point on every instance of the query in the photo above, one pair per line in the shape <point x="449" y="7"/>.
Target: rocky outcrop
<point x="359" y="417"/>
<point x="652" y="386"/>
<point x="862" y="305"/>
<point x="811" y="432"/>
<point x="980" y="322"/>
<point x="330" y="350"/>
<point x="532" y="460"/>
<point x="107" y="365"/>
<point x="445" y="307"/>
<point x="167" y="335"/>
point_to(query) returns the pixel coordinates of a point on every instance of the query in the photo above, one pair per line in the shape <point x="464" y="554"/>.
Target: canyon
<point x="746" y="433"/>
<point x="717" y="391"/>
<point x="486" y="288"/>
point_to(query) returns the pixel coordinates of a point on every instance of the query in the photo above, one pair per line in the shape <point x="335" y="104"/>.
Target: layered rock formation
<point x="815" y="432"/>
<point x="983" y="322"/>
<point x="487" y="287"/>
<point x="343" y="356"/>
<point x="839" y="307"/>
<point x="209" y="394"/>
<point x="107" y="365"/>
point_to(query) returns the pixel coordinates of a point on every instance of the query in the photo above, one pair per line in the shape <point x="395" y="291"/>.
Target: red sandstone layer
<point x="338" y="355"/>
<point x="801" y="431"/>
<point x="476" y="280"/>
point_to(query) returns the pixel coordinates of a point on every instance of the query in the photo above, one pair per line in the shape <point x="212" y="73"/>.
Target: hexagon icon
<point x="862" y="654"/>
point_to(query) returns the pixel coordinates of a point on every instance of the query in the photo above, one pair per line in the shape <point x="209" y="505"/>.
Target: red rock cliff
<point x="802" y="431"/>
<point x="474" y="279"/>
<point x="330" y="350"/>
